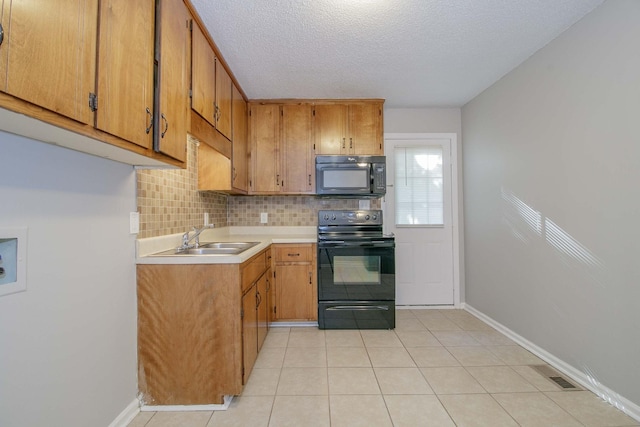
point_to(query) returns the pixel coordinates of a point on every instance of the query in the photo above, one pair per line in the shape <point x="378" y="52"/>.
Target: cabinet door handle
<point x="350" y="142"/>
<point x="258" y="298"/>
<point x="148" y="129"/>
<point x="309" y="180"/>
<point x="293" y="254"/>
<point x="166" y="125"/>
<point x="310" y="278"/>
<point x="343" y="142"/>
<point x="278" y="179"/>
<point x="235" y="174"/>
<point x="1" y="34"/>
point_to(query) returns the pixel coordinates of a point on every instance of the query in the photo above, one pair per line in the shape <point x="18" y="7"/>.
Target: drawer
<point x="253" y="269"/>
<point x="294" y="253"/>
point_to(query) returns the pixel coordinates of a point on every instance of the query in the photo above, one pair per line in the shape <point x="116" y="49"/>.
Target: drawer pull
<point x="293" y="254"/>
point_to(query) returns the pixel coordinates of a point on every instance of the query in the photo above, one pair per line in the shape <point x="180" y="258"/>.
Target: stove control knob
<point x="326" y="217"/>
<point x="333" y="217"/>
<point x="367" y="217"/>
<point x="375" y="217"/>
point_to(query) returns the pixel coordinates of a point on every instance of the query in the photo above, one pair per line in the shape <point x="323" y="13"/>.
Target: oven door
<point x="356" y="273"/>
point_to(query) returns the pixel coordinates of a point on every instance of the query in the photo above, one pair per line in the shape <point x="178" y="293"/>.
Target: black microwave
<point x="351" y="176"/>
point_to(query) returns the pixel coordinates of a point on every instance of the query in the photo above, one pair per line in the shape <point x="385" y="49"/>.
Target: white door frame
<point x="456" y="220"/>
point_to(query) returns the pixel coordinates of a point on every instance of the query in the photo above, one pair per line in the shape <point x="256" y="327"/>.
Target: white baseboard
<point x="625" y="405"/>
<point x="127" y="415"/>
<point x="166" y="408"/>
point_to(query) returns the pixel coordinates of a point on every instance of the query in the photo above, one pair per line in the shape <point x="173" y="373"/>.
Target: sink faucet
<point x="186" y="239"/>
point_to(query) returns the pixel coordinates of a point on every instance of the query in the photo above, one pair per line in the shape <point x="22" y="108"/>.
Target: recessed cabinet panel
<point x="295" y="282"/>
<point x="348" y="128"/>
<point x="365" y="129"/>
<point x="330" y="128"/>
<point x="125" y="70"/>
<point x="265" y="133"/>
<point x="203" y="76"/>
<point x="51" y="54"/>
<point x="171" y="119"/>
<point x="296" y="149"/>
<point x="249" y="331"/>
<point x="223" y="101"/>
<point x="240" y="157"/>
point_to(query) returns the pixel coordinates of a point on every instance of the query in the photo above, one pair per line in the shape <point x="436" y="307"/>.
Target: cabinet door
<point x="240" y="157"/>
<point x="365" y="129"/>
<point x="330" y="128"/>
<point x="265" y="133"/>
<point x="5" y="14"/>
<point x="295" y="147"/>
<point x="125" y="70"/>
<point x="171" y="126"/>
<point x="294" y="292"/>
<point x="51" y="55"/>
<point x="263" y="308"/>
<point x="223" y="100"/>
<point x="249" y="332"/>
<point x="203" y="76"/>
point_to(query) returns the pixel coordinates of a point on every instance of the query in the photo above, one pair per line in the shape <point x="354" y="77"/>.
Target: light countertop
<point x="145" y="248"/>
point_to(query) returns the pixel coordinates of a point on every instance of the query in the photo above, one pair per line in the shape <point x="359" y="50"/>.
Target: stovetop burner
<point x="337" y="227"/>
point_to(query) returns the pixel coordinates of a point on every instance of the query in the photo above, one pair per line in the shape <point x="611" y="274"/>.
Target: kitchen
<point x="70" y="339"/>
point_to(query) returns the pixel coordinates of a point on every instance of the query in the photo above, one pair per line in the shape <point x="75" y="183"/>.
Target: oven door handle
<point x="372" y="244"/>
<point x="358" y="307"/>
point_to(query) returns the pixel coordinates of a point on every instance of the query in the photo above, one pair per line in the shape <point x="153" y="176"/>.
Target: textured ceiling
<point x="413" y="53"/>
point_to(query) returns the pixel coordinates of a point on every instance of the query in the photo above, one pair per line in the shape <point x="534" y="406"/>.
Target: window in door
<point x="419" y="192"/>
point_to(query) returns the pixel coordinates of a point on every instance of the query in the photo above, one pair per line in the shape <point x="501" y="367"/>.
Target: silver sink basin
<point x="213" y="248"/>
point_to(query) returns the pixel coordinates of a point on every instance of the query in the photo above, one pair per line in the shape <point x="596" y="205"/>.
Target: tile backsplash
<point x="169" y="202"/>
<point x="284" y="210"/>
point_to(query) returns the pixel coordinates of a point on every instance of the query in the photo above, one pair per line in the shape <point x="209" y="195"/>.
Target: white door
<point x="418" y="210"/>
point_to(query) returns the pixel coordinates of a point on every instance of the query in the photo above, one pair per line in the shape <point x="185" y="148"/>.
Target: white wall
<point x="68" y="344"/>
<point x="552" y="176"/>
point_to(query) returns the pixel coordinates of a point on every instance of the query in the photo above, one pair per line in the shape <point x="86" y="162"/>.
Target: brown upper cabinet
<point x="48" y="55"/>
<point x="125" y="70"/>
<point x="296" y="156"/>
<point x="223" y="100"/>
<point x="348" y="128"/>
<point x="88" y="69"/>
<point x="286" y="135"/>
<point x="211" y="85"/>
<point x="203" y="76"/>
<point x="218" y="172"/>
<point x="172" y="100"/>
<point x="281" y="148"/>
<point x="264" y="131"/>
<point x="240" y="156"/>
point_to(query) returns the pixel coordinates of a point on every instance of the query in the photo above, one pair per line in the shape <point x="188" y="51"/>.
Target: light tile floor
<point x="437" y="368"/>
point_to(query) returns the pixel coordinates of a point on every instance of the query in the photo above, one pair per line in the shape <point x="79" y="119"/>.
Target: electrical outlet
<point x="206" y="218"/>
<point x="134" y="222"/>
<point x="264" y="217"/>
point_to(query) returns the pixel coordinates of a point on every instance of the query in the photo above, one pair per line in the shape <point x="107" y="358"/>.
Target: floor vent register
<point x="555" y="377"/>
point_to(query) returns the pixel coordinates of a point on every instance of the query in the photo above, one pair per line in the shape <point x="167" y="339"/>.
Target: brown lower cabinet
<point x="295" y="282"/>
<point x="198" y="329"/>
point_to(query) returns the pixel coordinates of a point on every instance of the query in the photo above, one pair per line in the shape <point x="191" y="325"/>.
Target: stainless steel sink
<point x="213" y="248"/>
